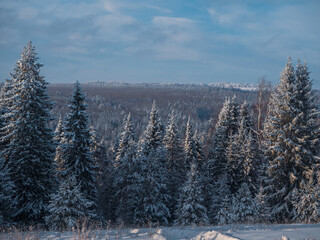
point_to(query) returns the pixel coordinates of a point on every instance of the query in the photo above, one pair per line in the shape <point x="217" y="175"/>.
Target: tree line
<point x="247" y="174"/>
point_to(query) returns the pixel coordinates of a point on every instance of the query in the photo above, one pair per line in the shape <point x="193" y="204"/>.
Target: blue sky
<point x="180" y="41"/>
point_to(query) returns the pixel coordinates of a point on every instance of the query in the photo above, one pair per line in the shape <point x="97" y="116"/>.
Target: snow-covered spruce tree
<point x="223" y="216"/>
<point x="5" y="185"/>
<point x="58" y="139"/>
<point x="76" y="155"/>
<point x="242" y="154"/>
<point x="98" y="151"/>
<point x="29" y="151"/>
<point x="247" y="118"/>
<point x="108" y="190"/>
<point x="154" y="198"/>
<point x="194" y="154"/>
<point x="306" y="128"/>
<point x="291" y="146"/>
<point x="126" y="180"/>
<point x="199" y="150"/>
<point x="226" y="126"/>
<point x="190" y="148"/>
<point x="191" y="209"/>
<point x="4" y="203"/>
<point x="67" y="206"/>
<point x="176" y="161"/>
<point x="253" y="152"/>
<point x="243" y="207"/>
<point x="205" y="181"/>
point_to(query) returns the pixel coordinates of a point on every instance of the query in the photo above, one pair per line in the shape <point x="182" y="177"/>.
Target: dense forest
<point x="153" y="154"/>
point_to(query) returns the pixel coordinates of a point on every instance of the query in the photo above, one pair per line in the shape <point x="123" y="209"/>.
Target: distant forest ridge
<point x="110" y="102"/>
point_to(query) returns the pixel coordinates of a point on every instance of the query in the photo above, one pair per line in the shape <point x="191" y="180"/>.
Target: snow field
<point x="230" y="232"/>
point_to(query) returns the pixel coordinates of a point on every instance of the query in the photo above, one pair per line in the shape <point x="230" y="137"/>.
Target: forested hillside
<point x="109" y="103"/>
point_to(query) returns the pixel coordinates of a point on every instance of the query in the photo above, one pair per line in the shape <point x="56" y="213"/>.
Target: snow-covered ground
<point x="244" y="232"/>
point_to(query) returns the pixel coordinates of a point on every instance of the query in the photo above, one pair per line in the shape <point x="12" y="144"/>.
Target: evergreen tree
<point x="76" y="155"/>
<point x="191" y="209"/>
<point x="4" y="205"/>
<point x="199" y="150"/>
<point x="154" y="197"/>
<point x="190" y="148"/>
<point x="109" y="203"/>
<point x="291" y="144"/>
<point x="306" y="202"/>
<point x="243" y="207"/>
<point x="223" y="216"/>
<point x="28" y="154"/>
<point x="58" y="139"/>
<point x="204" y="181"/>
<point x="126" y="168"/>
<point x="176" y="163"/>
<point x="226" y="126"/>
<point x="253" y="153"/>
<point x="306" y="130"/>
<point x="5" y="184"/>
<point x="242" y="154"/>
<point x="67" y="206"/>
<point x="247" y="118"/>
<point x="98" y="151"/>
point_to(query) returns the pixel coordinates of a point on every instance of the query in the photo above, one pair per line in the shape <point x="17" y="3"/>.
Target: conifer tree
<point x="190" y="147"/>
<point x="223" y="216"/>
<point x="29" y="149"/>
<point x="126" y="168"/>
<point x="76" y="155"/>
<point x="58" y="139"/>
<point x="306" y="121"/>
<point x="226" y="126"/>
<point x="246" y="117"/>
<point x="5" y="184"/>
<point x="176" y="162"/>
<point x="242" y="154"/>
<point x="67" y="206"/>
<point x="154" y="197"/>
<point x="205" y="181"/>
<point x="291" y="147"/>
<point x="98" y="151"/>
<point x="191" y="209"/>
<point x="243" y="207"/>
<point x="108" y="190"/>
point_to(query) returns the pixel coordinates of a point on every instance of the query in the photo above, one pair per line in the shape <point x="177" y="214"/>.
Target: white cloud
<point x="172" y="21"/>
<point x="177" y="52"/>
<point x="231" y="14"/>
<point x="27" y="13"/>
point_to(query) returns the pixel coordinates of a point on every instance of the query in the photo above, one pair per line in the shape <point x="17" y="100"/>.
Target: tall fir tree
<point x="126" y="181"/>
<point x="28" y="152"/>
<point x="68" y="206"/>
<point x="243" y="207"/>
<point x="99" y="154"/>
<point x="191" y="209"/>
<point x="242" y="155"/>
<point x="291" y="147"/>
<point x="306" y="201"/>
<point x="58" y="139"/>
<point x="176" y="161"/>
<point x="226" y="126"/>
<point x="77" y="158"/>
<point x="190" y="148"/>
<point x="154" y="197"/>
<point x="204" y="181"/>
